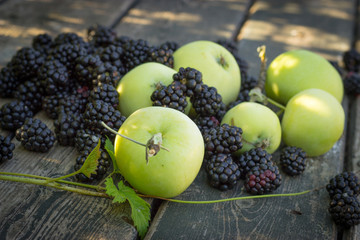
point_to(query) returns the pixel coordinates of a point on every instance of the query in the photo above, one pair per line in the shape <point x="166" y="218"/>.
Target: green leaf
<point x="91" y="163"/>
<point x="140" y="209"/>
<point x="109" y="147"/>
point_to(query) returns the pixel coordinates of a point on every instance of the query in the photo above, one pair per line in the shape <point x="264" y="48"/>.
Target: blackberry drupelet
<point x="161" y="55"/>
<point x="68" y="53"/>
<point x="170" y="45"/>
<point x="205" y="124"/>
<point x="191" y="79"/>
<point x="171" y="96"/>
<point x="345" y="210"/>
<point x="8" y="82"/>
<point x="54" y="77"/>
<point x="293" y="160"/>
<point x="14" y="114"/>
<point x="35" y="136"/>
<point x="223" y="139"/>
<point x="135" y="53"/>
<point x="6" y="148"/>
<point x="31" y="93"/>
<point x="97" y="111"/>
<point x="69" y="37"/>
<point x="208" y="103"/>
<point x="26" y="62"/>
<point x="352" y="83"/>
<point x="351" y="59"/>
<point x="50" y="104"/>
<point x="105" y="92"/>
<point x="252" y="158"/>
<point x="346" y="182"/>
<point x="87" y="139"/>
<point x="43" y="43"/>
<point x="222" y="172"/>
<point x="66" y="127"/>
<point x="102" y="168"/>
<point x="262" y="179"/>
<point x="85" y="68"/>
<point x="101" y="36"/>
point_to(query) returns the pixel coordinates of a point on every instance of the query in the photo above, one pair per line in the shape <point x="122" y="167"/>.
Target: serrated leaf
<point x="109" y="147"/>
<point x="140" y="209"/>
<point x="91" y="163"/>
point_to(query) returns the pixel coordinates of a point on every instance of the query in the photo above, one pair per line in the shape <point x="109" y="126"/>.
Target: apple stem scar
<point x="152" y="147"/>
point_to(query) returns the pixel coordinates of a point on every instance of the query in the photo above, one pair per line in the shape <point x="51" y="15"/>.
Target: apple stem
<point x="273" y="102"/>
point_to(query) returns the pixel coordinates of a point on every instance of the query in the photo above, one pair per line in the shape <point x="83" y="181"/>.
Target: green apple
<point x="261" y="126"/>
<point x="297" y="70"/>
<point x="168" y="173"/>
<point x="313" y="120"/>
<point x="136" y="87"/>
<point x="217" y="65"/>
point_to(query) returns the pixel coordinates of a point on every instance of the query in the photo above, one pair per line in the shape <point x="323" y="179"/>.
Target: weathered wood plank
<point x="183" y="21"/>
<point x="320" y="26"/>
<point x="33" y="212"/>
<point x="21" y="20"/>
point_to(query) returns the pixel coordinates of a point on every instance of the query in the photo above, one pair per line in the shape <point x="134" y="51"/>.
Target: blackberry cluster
<point x="8" y="82"/>
<point x="97" y="111"/>
<point x="101" y="36"/>
<point x="208" y="103"/>
<point x="351" y="59"/>
<point x="73" y="103"/>
<point x="105" y="73"/>
<point x="191" y="79"/>
<point x="30" y="92"/>
<point x="14" y="114"/>
<point x="293" y="160"/>
<point x="222" y="172"/>
<point x="170" y="45"/>
<point x="68" y="53"/>
<point x="222" y="139"/>
<point x="35" y="136"/>
<point x="344" y="207"/>
<point x="87" y="139"/>
<point x="54" y="77"/>
<point x="263" y="179"/>
<point x="6" y="148"/>
<point x="26" y="62"/>
<point x="352" y="83"/>
<point x="85" y="68"/>
<point x="69" y="37"/>
<point x="51" y="103"/>
<point x="104" y="163"/>
<point x="113" y="54"/>
<point x="105" y="92"/>
<point x="205" y="124"/>
<point x="249" y="159"/>
<point x="135" y="53"/>
<point x="66" y="127"/>
<point x="43" y="43"/>
<point x="171" y="96"/>
<point x="162" y="55"/>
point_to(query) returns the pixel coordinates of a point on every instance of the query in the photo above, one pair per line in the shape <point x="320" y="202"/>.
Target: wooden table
<point x="326" y="27"/>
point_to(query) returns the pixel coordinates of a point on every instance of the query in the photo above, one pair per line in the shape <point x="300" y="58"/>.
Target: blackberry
<point x="97" y="111"/>
<point x="6" y="148"/>
<point x="222" y="172"/>
<point x="248" y="83"/>
<point x="113" y="54"/>
<point x="229" y="45"/>
<point x="68" y="53"/>
<point x="87" y="139"/>
<point x="205" y="124"/>
<point x="191" y="79"/>
<point x="66" y="127"/>
<point x="35" y="136"/>
<point x="293" y="160"/>
<point x="249" y="159"/>
<point x="101" y="36"/>
<point x="42" y="43"/>
<point x="243" y="96"/>
<point x="170" y="45"/>
<point x="346" y="182"/>
<point x="51" y="103"/>
<point x="54" y="77"/>
<point x="171" y="96"/>
<point x="73" y="103"/>
<point x="336" y="65"/>
<point x="345" y="210"/>
<point x="262" y="179"/>
<point x="105" y="73"/>
<point x="85" y="68"/>
<point x="69" y="37"/>
<point x="102" y="167"/>
<point x="14" y="114"/>
<point x="8" y="82"/>
<point x="352" y="83"/>
<point x="135" y="53"/>
<point x="223" y="139"/>
<point x="26" y="62"/>
<point x="161" y="55"/>
<point x="351" y="59"/>
<point x="30" y="92"/>
<point x="105" y="92"/>
<point x="208" y="103"/>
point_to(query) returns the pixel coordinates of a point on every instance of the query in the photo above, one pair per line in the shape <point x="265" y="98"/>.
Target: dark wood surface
<point x="325" y="27"/>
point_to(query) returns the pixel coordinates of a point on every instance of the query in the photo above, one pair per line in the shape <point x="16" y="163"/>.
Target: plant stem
<point x="63" y="177"/>
<point x="44" y="182"/>
<point x="282" y="107"/>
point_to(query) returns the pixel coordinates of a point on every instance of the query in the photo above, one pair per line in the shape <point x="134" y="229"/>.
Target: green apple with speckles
<point x="261" y="126"/>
